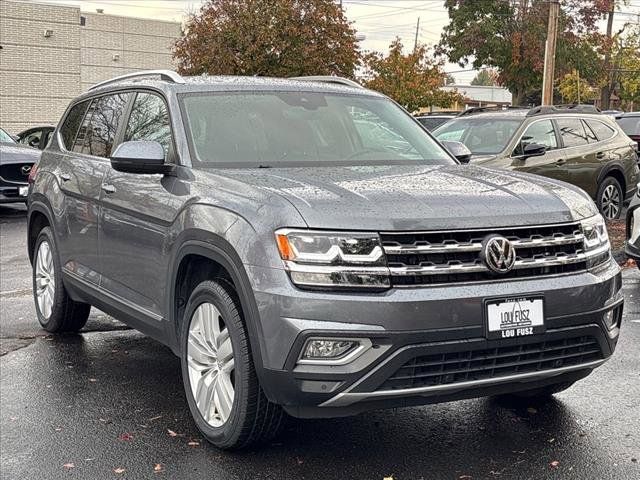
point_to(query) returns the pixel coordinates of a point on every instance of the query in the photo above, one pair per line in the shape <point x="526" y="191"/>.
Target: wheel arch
<point x="228" y="266"/>
<point x="616" y="171"/>
<point x="38" y="217"/>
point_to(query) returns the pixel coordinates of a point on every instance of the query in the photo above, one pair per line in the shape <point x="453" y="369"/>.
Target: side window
<point x="602" y="131"/>
<point x="71" y="123"/>
<point x="572" y="132"/>
<point x="541" y="133"/>
<point x="98" y="131"/>
<point x="32" y="139"/>
<point x="149" y="120"/>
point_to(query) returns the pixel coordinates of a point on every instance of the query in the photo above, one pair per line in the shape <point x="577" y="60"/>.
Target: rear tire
<point x="610" y="198"/>
<point x="217" y="365"/>
<point x="56" y="311"/>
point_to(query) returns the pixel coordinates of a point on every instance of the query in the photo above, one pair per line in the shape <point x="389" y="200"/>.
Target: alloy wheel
<point x="211" y="366"/>
<point x="45" y="279"/>
<point x="610" y="202"/>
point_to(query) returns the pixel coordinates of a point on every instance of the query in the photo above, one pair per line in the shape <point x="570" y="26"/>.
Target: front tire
<point x="56" y="311"/>
<point x="218" y="373"/>
<point x="610" y="198"/>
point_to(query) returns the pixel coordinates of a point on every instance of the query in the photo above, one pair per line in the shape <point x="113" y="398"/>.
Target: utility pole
<point x="550" y="53"/>
<point x="415" y="43"/>
<point x="605" y="92"/>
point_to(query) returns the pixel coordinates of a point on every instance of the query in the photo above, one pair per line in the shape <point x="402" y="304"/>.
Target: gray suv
<point x="306" y="247"/>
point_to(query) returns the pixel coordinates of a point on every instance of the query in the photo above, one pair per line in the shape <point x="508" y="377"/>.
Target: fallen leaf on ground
<point x="93" y="380"/>
<point x="125" y="437"/>
<point x="154" y="418"/>
<point x="554" y="464"/>
<point x="389" y="477"/>
<point x="119" y="470"/>
<point x="551" y="440"/>
<point x="532" y="410"/>
<point x="68" y="465"/>
<point x="157" y="468"/>
<point x="172" y="433"/>
<point x="193" y="444"/>
<point x="465" y="477"/>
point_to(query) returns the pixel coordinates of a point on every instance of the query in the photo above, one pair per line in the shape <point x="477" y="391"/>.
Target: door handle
<point x="560" y="162"/>
<point x="108" y="188"/>
<point x="65" y="177"/>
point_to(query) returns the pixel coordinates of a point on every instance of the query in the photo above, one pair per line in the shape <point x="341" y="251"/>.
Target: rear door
<point x="582" y="160"/>
<point x="550" y="164"/>
<point x="87" y="134"/>
<point x="137" y="212"/>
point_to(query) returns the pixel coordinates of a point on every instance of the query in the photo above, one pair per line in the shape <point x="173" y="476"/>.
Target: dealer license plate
<point x="23" y="191"/>
<point x="514" y="317"/>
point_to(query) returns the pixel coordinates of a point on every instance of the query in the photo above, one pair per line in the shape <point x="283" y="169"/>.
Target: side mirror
<point x="140" y="156"/>
<point x="458" y="150"/>
<point x="534" y="150"/>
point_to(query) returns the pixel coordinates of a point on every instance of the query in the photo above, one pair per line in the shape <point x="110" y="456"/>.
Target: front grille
<point x="13" y="173"/>
<point x="454" y="256"/>
<point x="487" y="363"/>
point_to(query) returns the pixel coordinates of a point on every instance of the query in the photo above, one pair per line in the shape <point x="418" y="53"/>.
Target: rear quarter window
<point x="602" y="131"/>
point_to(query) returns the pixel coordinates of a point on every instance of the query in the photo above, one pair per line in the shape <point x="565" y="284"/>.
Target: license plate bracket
<point x="512" y="317"/>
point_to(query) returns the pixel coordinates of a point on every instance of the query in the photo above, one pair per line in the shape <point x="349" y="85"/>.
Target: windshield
<point x="482" y="135"/>
<point x="629" y="125"/>
<point x="271" y="129"/>
<point x="5" y="138"/>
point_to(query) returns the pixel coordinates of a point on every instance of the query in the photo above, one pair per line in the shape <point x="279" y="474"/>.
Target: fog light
<point x="611" y="319"/>
<point x="326" y="348"/>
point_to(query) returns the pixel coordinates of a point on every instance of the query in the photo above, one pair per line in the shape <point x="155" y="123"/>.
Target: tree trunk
<point x="518" y="97"/>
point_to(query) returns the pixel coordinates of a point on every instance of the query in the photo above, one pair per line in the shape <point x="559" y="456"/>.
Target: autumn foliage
<point x="413" y="79"/>
<point x="268" y="37"/>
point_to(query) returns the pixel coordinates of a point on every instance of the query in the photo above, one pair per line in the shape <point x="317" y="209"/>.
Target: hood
<point x="413" y="197"/>
<point x="480" y="159"/>
<point x="16" y="153"/>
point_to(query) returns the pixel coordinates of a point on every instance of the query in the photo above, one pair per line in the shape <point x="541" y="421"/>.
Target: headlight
<point x="333" y="259"/>
<point x="596" y="241"/>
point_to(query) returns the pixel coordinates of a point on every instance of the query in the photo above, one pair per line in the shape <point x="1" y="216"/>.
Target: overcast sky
<point x="379" y="20"/>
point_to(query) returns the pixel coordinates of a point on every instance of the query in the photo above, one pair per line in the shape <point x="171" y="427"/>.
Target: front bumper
<point x="10" y="192"/>
<point x="406" y="323"/>
<point x="632" y="247"/>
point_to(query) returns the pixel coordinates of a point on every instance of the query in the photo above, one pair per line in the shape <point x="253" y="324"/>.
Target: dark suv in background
<point x="296" y="261"/>
<point x="575" y="144"/>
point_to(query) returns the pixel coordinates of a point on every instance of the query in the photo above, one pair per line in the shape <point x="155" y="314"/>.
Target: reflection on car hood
<point x="413" y="197"/>
<point x="480" y="159"/>
<point x="15" y="153"/>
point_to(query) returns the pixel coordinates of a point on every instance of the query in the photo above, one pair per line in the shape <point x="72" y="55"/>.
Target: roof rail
<point x="329" y="79"/>
<point x="488" y="108"/>
<point x="168" y="75"/>
<point x="573" y="108"/>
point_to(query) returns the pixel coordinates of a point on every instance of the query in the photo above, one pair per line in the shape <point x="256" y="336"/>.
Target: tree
<point x="628" y="68"/>
<point x="268" y="37"/>
<point x="413" y="80"/>
<point x="486" y="77"/>
<point x="510" y="36"/>
<point x="575" y="89"/>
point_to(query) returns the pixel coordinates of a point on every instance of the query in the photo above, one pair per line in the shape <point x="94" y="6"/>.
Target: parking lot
<point x="109" y="403"/>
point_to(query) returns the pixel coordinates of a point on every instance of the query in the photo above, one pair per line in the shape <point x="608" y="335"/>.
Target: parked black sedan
<point x="36" y="137"/>
<point x="16" y="162"/>
<point x="633" y="228"/>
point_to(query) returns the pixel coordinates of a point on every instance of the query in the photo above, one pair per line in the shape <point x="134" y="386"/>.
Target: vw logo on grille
<point x="498" y="254"/>
<point x="25" y="169"/>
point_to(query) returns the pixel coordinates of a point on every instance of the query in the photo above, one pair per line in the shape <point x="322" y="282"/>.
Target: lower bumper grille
<point x="488" y="363"/>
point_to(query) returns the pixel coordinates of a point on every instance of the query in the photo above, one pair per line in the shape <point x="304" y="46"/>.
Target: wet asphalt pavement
<point x="108" y="403"/>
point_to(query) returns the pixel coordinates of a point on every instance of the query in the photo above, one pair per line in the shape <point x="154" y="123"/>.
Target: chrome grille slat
<point x="418" y="258"/>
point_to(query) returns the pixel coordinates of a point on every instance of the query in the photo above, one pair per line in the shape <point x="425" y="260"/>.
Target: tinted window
<point x="32" y="138"/>
<point x="572" y="132"/>
<point x="98" y="131"/>
<point x="629" y="125"/>
<point x="5" y="137"/>
<point x="482" y="135"/>
<point x="304" y="128"/>
<point x="541" y="133"/>
<point x="430" y="123"/>
<point x="71" y="123"/>
<point x="601" y="130"/>
<point x="149" y="120"/>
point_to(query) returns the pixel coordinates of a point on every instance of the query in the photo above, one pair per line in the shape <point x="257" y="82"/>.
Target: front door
<point x="137" y="213"/>
<point x="551" y="164"/>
